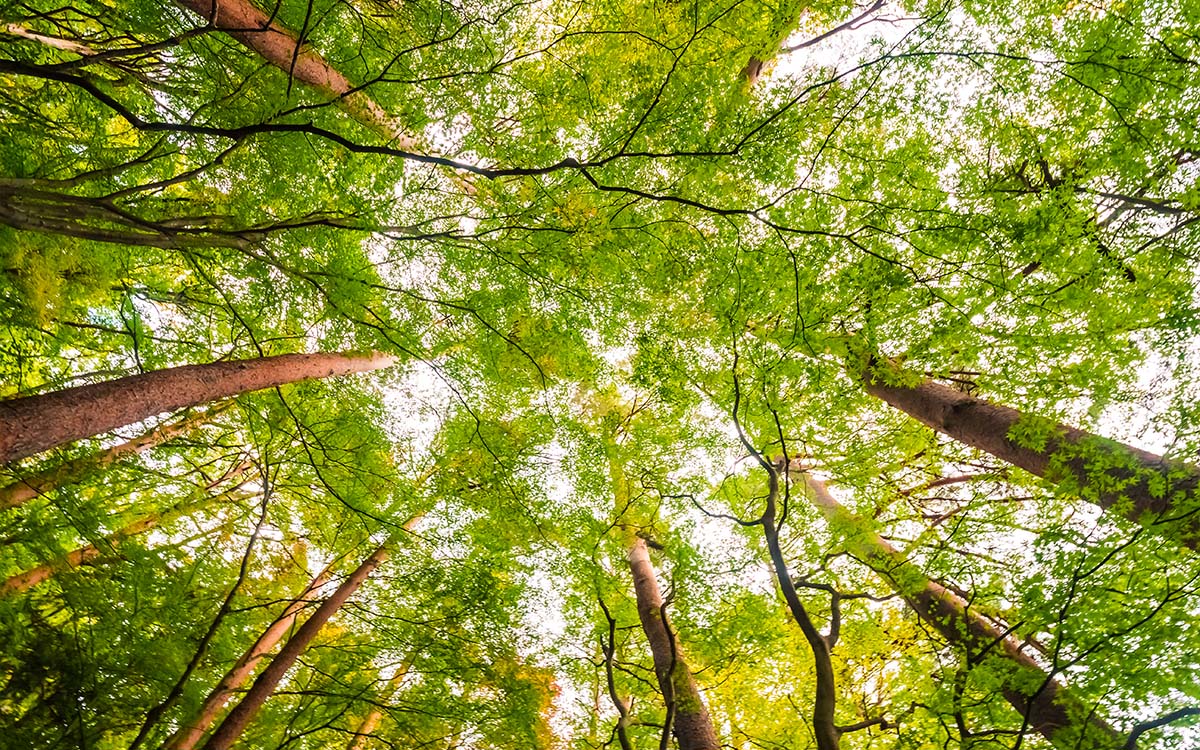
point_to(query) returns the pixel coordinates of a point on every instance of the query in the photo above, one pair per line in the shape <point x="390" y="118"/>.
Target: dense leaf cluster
<point x="633" y="259"/>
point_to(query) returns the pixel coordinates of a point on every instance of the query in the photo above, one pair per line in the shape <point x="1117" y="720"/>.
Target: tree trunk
<point x="34" y="424"/>
<point x="40" y="574"/>
<point x="190" y="733"/>
<point x="372" y="719"/>
<point x="691" y="723"/>
<point x="686" y="713"/>
<point x="244" y="712"/>
<point x="71" y="472"/>
<point x="1146" y="488"/>
<point x="279" y="46"/>
<point x="1052" y="711"/>
<point x="825" y="701"/>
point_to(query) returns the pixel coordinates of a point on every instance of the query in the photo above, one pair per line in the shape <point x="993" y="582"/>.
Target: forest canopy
<point x="554" y="374"/>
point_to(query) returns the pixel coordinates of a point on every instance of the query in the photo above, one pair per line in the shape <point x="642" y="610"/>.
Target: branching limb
<point x="1162" y="721"/>
<point x="609" y="648"/>
<point x="851" y="24"/>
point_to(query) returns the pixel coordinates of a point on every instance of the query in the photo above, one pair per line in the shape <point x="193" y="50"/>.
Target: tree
<point x="27" y="488"/>
<point x="279" y="46"/>
<point x="373" y="717"/>
<point x="825" y="702"/>
<point x="686" y="713"/>
<point x="623" y="249"/>
<point x="687" y="716"/>
<point x="235" y="722"/>
<point x="1144" y="487"/>
<point x="39" y="574"/>
<point x="193" y="730"/>
<point x="38" y="423"/>
<point x="1048" y="707"/>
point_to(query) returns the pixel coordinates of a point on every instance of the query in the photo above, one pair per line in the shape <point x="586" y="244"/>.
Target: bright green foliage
<point x="613" y="263"/>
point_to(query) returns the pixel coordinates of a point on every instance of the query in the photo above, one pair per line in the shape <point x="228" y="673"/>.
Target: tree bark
<point x="40" y="574"/>
<point x="691" y="723"/>
<point x="281" y="47"/>
<point x="34" y="424"/>
<point x="372" y="719"/>
<point x="825" y="701"/>
<point x="687" y="716"/>
<point x="191" y="733"/>
<point x="1144" y="487"/>
<point x="244" y="712"/>
<point x="71" y="472"/>
<point x="1052" y="711"/>
<point x="48" y="212"/>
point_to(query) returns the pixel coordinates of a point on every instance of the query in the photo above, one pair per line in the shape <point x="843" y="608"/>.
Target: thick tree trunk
<point x="692" y="725"/>
<point x="1052" y="711"/>
<point x="278" y="45"/>
<point x="42" y="573"/>
<point x="191" y="733"/>
<point x="71" y="472"/>
<point x="1144" y="487"/>
<point x="34" y="424"/>
<point x="244" y="712"/>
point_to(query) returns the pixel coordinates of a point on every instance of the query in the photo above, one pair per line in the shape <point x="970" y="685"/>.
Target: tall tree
<point x="1144" y="487"/>
<point x="825" y="727"/>
<point x="228" y="731"/>
<point x="193" y="728"/>
<point x="362" y="733"/>
<point x="1041" y="699"/>
<point x="33" y="424"/>
<point x="39" y="574"/>
<point x="281" y="47"/>
<point x="68" y="472"/>
<point x="686" y="713"/>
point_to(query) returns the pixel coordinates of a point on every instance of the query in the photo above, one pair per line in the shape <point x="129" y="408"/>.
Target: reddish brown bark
<point x="34" y="424"/>
<point x="691" y="723"/>
<point x="40" y="574"/>
<point x="1053" y="711"/>
<point x="278" y="45"/>
<point x="191" y="733"/>
<point x="70" y="472"/>
<point x="1146" y="488"/>
<point x="244" y="712"/>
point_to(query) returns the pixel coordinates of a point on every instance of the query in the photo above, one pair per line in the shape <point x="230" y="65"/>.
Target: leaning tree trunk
<point x="186" y="737"/>
<point x="76" y="470"/>
<point x="1053" y="711"/>
<point x="34" y="424"/>
<point x="281" y="47"/>
<point x="690" y="720"/>
<point x="244" y="712"/>
<point x="1144" y="486"/>
<point x="40" y="574"/>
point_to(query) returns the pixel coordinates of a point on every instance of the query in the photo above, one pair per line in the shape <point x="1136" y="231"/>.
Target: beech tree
<point x="241" y="715"/>
<point x="29" y="487"/>
<point x="1047" y="706"/>
<point x="186" y="737"/>
<point x="37" y="423"/>
<point x="602" y="265"/>
<point x="1148" y="488"/>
